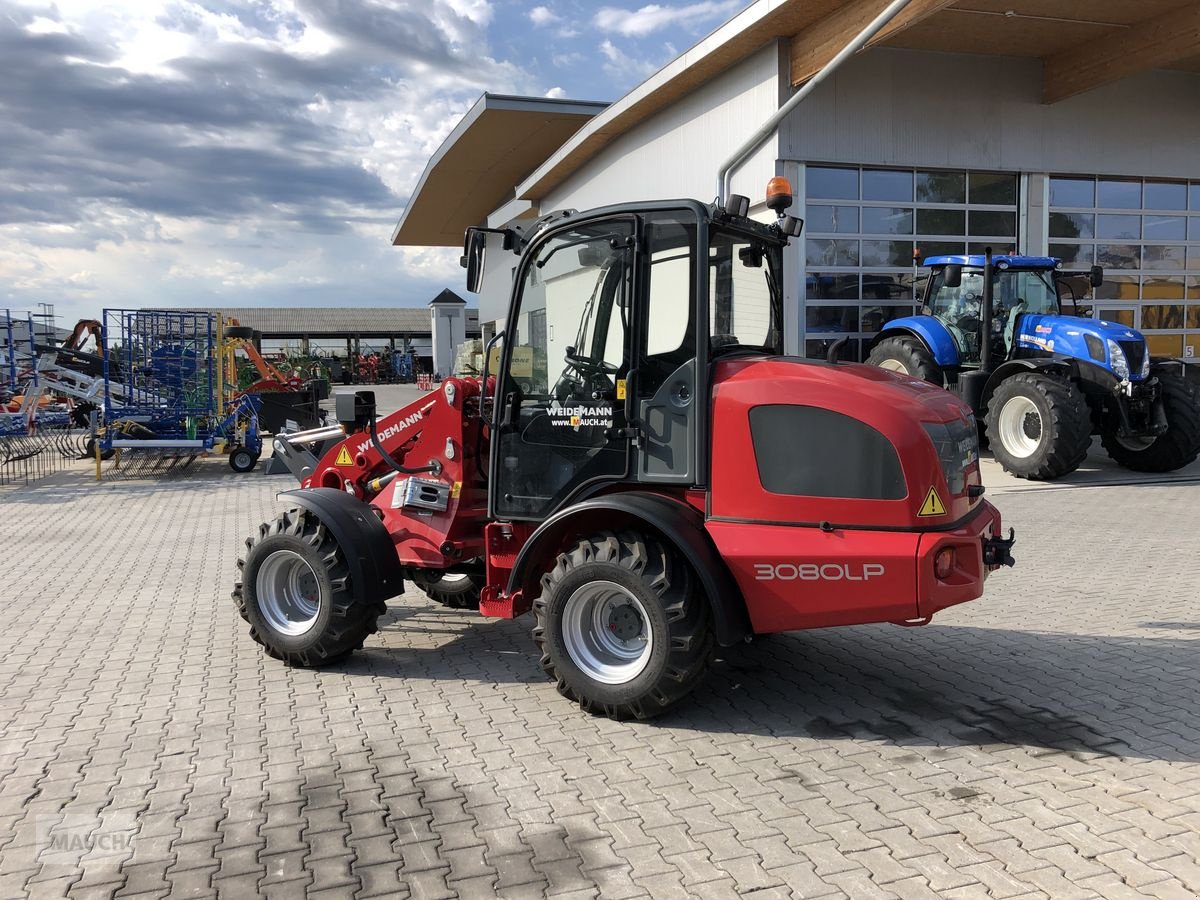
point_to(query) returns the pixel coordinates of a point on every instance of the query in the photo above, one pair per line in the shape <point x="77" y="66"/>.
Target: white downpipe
<point x="725" y="175"/>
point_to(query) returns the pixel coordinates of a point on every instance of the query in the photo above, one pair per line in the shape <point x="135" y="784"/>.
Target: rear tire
<point x="293" y="587"/>
<point x="456" y="591"/>
<point x="1178" y="447"/>
<point x="1038" y="427"/>
<point x="239" y="332"/>
<point x="907" y="355"/>
<point x="620" y="627"/>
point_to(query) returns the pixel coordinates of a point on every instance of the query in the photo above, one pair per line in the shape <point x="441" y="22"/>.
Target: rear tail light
<point x="957" y="446"/>
<point x="943" y="563"/>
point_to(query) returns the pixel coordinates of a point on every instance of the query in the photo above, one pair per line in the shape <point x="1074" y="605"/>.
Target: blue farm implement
<point x="163" y="400"/>
<point x="993" y="331"/>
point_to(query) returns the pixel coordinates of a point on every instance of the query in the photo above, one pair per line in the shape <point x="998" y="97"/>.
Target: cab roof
<point x="1010" y="261"/>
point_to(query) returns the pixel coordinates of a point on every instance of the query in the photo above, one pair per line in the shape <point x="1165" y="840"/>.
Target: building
<point x="343" y="331"/>
<point x="1063" y="128"/>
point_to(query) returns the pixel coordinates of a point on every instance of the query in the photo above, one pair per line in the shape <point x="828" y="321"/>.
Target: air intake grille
<point x="1135" y="352"/>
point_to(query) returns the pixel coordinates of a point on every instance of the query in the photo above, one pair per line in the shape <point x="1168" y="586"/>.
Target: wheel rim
<point x="454" y="578"/>
<point x="288" y="592"/>
<point x="241" y="459"/>
<point x="607" y="632"/>
<point x="894" y="365"/>
<point x="1135" y="444"/>
<point x="1020" y="427"/>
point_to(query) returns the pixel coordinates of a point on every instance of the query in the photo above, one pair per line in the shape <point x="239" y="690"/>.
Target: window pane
<point x="832" y="184"/>
<point x="1074" y="256"/>
<point x="941" y="248"/>
<point x="1116" y="194"/>
<point x="1193" y="256"/>
<point x="941" y="187"/>
<point x="831" y="318"/>
<point x="991" y="223"/>
<point x="887" y="253"/>
<point x="999" y="248"/>
<point x="832" y="219"/>
<point x="808" y="451"/>
<point x="1165" y="228"/>
<point x="996" y="189"/>
<point x="832" y="253"/>
<point x="1072" y="192"/>
<point x="874" y="317"/>
<point x="1118" y="287"/>
<point x="1194" y="196"/>
<point x="830" y="286"/>
<point x="1194" y="228"/>
<point x="1122" y="316"/>
<point x="1164" y="258"/>
<point x="883" y="184"/>
<point x="890" y="286"/>
<point x="887" y="220"/>
<point x="1126" y="228"/>
<point x="941" y="221"/>
<point x="1193" y="317"/>
<point x="1193" y="286"/>
<point x="1119" y="256"/>
<point x="1072" y="225"/>
<point x="1165" y="344"/>
<point x="1165" y="195"/>
<point x="1162" y="289"/>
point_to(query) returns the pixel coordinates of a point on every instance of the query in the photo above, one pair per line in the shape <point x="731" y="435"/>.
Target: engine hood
<point x="1069" y="336"/>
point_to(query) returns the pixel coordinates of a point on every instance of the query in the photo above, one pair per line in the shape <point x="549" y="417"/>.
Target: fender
<point x="677" y="522"/>
<point x="929" y="331"/>
<point x="1064" y="365"/>
<point x="375" y="572"/>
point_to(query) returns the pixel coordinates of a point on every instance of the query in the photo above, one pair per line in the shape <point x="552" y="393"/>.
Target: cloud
<point x="208" y="150"/>
<point x="542" y="16"/>
<point x="657" y="17"/>
<point x="556" y="93"/>
<point x="623" y="68"/>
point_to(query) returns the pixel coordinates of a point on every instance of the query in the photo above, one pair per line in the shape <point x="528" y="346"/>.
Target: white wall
<point x="676" y="153"/>
<point x="904" y="107"/>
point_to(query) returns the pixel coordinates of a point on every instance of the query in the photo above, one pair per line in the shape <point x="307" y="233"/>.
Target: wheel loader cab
<point x="607" y="306"/>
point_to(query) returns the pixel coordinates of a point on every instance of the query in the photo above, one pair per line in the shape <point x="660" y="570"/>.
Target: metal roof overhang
<point x="498" y="142"/>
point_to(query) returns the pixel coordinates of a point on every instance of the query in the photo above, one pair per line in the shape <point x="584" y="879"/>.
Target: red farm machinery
<point x="647" y="473"/>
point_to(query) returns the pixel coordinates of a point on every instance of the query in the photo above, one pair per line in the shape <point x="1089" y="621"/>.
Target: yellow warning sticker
<point x="933" y="505"/>
<point x="456" y="490"/>
<point x="344" y="458"/>
<point x="620" y="388"/>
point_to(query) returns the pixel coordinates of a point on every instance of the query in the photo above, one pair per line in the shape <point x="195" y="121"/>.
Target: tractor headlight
<point x="1146" y="363"/>
<point x="1116" y="356"/>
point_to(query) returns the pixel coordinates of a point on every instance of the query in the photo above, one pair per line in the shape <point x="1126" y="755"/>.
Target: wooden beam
<point x="1154" y="43"/>
<point x="816" y="45"/>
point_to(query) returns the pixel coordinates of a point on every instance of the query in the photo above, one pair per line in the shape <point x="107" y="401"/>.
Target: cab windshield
<point x="1013" y="287"/>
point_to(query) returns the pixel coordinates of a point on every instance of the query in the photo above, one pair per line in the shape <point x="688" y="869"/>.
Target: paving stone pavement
<point x="1042" y="742"/>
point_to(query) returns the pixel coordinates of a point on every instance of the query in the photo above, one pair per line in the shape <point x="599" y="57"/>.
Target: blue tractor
<point x="992" y="330"/>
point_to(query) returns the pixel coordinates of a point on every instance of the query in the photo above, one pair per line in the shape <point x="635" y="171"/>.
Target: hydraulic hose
<point x="434" y="466"/>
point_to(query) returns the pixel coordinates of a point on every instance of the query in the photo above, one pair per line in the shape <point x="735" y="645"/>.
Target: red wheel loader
<point x="647" y="473"/>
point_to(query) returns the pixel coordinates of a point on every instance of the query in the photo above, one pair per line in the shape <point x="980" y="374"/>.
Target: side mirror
<point x="474" y="251"/>
<point x="1097" y="276"/>
<point x="953" y="275"/>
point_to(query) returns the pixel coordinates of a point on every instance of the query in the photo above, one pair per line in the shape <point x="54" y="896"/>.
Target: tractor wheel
<point x="240" y="332"/>
<point x="242" y="460"/>
<point x="294" y="589"/>
<point x="1038" y="427"/>
<point x="457" y="590"/>
<point x="620" y="627"/>
<point x="908" y="356"/>
<point x="1173" y="450"/>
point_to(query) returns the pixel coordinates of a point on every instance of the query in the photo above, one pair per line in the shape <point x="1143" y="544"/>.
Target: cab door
<point x="559" y="425"/>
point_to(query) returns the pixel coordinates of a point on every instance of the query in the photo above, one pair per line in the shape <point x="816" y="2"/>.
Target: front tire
<point x="620" y="627"/>
<point x="293" y="587"/>
<point x="242" y="460"/>
<point x="908" y="356"/>
<point x="1178" y="447"/>
<point x="1038" y="427"/>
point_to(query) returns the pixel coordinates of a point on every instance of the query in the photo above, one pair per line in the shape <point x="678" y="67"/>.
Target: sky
<point x="260" y="152"/>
